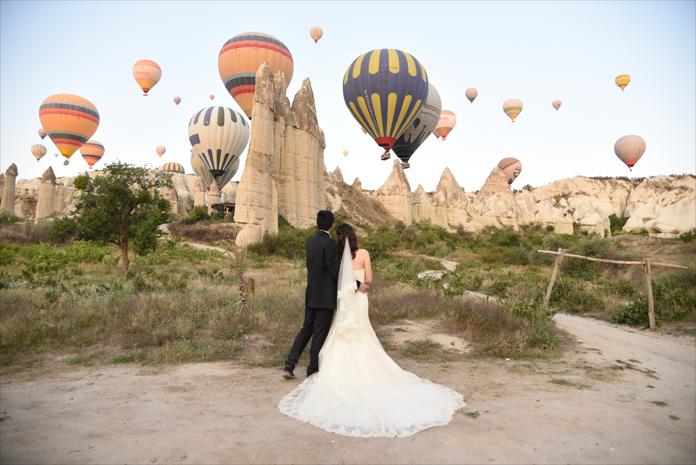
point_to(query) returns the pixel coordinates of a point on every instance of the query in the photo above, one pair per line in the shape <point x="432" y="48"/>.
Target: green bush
<point x="6" y="218"/>
<point x="289" y="242"/>
<point x="575" y="296"/>
<point x="62" y="229"/>
<point x="674" y="297"/>
<point x="688" y="236"/>
<point x="198" y="213"/>
<point x="617" y="223"/>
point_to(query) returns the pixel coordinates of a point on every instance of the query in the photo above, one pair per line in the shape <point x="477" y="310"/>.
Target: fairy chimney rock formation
<point x="284" y="171"/>
<point x="395" y="194"/>
<point x="8" y="191"/>
<point x="450" y="201"/>
<point x="494" y="203"/>
<point x="337" y="176"/>
<point x="357" y="185"/>
<point x="47" y="195"/>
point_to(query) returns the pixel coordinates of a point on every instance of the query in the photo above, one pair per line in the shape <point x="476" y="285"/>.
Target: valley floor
<point x="622" y="396"/>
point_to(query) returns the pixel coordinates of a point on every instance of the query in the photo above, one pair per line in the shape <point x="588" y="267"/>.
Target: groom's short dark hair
<point x="325" y="219"/>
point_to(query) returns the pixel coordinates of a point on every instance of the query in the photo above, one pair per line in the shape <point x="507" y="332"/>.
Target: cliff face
<point x="284" y="172"/>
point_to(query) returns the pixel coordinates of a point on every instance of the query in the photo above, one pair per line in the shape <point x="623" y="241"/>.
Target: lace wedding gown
<point x="359" y="390"/>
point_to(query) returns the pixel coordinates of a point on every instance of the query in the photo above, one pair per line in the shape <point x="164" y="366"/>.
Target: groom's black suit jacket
<point x="322" y="271"/>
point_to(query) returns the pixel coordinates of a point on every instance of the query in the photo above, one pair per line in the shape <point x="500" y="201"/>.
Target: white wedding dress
<point x="359" y="390"/>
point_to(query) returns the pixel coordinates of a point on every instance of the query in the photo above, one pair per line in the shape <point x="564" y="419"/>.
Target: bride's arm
<point x="368" y="268"/>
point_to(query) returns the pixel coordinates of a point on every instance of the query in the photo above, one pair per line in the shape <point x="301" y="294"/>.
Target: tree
<point x="123" y="203"/>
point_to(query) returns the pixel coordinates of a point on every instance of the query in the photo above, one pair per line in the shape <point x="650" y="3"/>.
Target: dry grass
<point x="205" y="232"/>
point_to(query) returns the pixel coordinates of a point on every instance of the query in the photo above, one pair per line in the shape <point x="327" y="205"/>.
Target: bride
<point x="359" y="390"/>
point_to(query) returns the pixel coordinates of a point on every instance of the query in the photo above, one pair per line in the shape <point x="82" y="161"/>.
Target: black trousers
<point x="317" y="322"/>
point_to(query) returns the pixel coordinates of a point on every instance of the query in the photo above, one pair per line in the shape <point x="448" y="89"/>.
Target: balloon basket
<point x="385" y="156"/>
<point x="405" y="166"/>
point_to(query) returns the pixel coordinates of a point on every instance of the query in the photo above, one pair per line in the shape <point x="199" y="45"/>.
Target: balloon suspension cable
<point x="386" y="155"/>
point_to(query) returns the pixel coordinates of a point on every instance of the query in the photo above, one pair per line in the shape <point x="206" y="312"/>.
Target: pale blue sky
<point x="536" y="51"/>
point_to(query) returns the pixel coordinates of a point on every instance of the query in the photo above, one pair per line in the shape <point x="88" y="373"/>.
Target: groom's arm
<point x="331" y="259"/>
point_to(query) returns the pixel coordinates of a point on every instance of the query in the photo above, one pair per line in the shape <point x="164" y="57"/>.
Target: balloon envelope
<point x="41" y="133"/>
<point x="629" y="149"/>
<point x="512" y="168"/>
<point x="177" y="100"/>
<point x="345" y="152"/>
<point x="316" y="33"/>
<point x="384" y="90"/>
<point x="241" y="57"/>
<point x="161" y="149"/>
<point x="447" y="122"/>
<point x="147" y="74"/>
<point x="218" y="136"/>
<point x="211" y="97"/>
<point x="512" y="107"/>
<point x="622" y="81"/>
<point x="38" y="150"/>
<point x="92" y="152"/>
<point x="471" y="93"/>
<point x="556" y="104"/>
<point x="69" y="121"/>
<point x="421" y="127"/>
<point x="172" y="167"/>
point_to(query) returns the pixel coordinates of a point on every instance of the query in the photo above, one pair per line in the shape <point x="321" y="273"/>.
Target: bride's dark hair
<point x="343" y="232"/>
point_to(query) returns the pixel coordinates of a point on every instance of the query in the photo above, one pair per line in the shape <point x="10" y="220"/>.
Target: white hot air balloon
<point x="218" y="136"/>
<point x="629" y="149"/>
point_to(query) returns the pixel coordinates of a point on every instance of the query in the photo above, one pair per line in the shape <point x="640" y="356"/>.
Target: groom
<point x="320" y="296"/>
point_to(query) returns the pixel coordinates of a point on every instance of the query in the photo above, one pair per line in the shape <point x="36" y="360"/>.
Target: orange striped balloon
<point x="241" y="57"/>
<point x="147" y="74"/>
<point x="92" y="152"/>
<point x="69" y="120"/>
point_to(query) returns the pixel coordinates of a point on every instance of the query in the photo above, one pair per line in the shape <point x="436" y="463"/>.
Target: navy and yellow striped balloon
<point x="384" y="90"/>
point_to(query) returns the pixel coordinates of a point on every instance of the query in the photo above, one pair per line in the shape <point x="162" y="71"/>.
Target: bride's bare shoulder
<point x="362" y="253"/>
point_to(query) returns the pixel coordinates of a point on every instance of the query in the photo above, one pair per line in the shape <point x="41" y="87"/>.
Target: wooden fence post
<point x="648" y="289"/>
<point x="554" y="274"/>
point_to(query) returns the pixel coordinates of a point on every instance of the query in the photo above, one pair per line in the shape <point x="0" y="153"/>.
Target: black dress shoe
<point x="287" y="374"/>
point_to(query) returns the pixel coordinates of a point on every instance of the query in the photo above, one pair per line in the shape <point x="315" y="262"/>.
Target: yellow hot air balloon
<point x="512" y="168"/>
<point x="316" y="33"/>
<point x="471" y="93"/>
<point x="161" y="149"/>
<point x="177" y="100"/>
<point x="447" y="122"/>
<point x="556" y="104"/>
<point x="629" y="149"/>
<point x="172" y="167"/>
<point x="92" y="152"/>
<point x="38" y="150"/>
<point x="622" y="81"/>
<point x="241" y="57"/>
<point x="345" y="152"/>
<point x="512" y="107"/>
<point x="147" y="74"/>
<point x="69" y="121"/>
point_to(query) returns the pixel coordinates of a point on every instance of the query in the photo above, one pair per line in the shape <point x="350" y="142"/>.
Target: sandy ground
<point x="623" y="396"/>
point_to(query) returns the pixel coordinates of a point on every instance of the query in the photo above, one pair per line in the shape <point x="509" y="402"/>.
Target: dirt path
<point x="623" y="396"/>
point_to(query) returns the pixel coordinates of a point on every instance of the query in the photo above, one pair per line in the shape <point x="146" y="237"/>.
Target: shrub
<point x="62" y="229"/>
<point x="198" y="213"/>
<point x="688" y="236"/>
<point x="575" y="296"/>
<point x="617" y="223"/>
<point x="6" y="218"/>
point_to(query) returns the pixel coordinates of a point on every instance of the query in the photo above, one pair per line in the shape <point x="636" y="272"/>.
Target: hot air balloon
<point x="622" y="81"/>
<point x="211" y="97"/>
<point x="66" y="162"/>
<point x="218" y="136"/>
<point x="172" y="167"/>
<point x="556" y="104"/>
<point x="316" y="33"/>
<point x="200" y="169"/>
<point x="512" y="107"/>
<point x="56" y="155"/>
<point x="92" y="152"/>
<point x="177" y="100"/>
<point x="436" y="134"/>
<point x="629" y="149"/>
<point x="345" y="152"/>
<point x="69" y="120"/>
<point x="241" y="57"/>
<point x="421" y="127"/>
<point x="471" y="93"/>
<point x="160" y="149"/>
<point x="384" y="90"/>
<point x="38" y="150"/>
<point x="41" y="133"/>
<point x="512" y="168"/>
<point x="147" y="74"/>
<point x="445" y="124"/>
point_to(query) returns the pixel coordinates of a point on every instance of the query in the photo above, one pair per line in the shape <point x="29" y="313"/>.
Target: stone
<point x="8" y="190"/>
<point x="435" y="275"/>
<point x="395" y="194"/>
<point x="357" y="185"/>
<point x="46" y="205"/>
